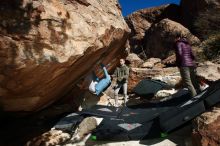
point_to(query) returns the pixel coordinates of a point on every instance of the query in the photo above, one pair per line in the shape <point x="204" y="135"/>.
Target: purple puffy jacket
<point x="184" y="55"/>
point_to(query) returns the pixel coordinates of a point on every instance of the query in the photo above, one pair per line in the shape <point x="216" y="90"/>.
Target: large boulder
<point x="161" y="36"/>
<point x="134" y="60"/>
<point x="138" y="74"/>
<point x="190" y="10"/>
<point x="48" y="46"/>
<point x="152" y="62"/>
<point x="141" y="20"/>
<point x="206" y="130"/>
<point x="209" y="71"/>
<point x="169" y="75"/>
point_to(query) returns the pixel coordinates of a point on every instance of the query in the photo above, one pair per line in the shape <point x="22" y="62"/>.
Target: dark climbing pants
<point x="188" y="75"/>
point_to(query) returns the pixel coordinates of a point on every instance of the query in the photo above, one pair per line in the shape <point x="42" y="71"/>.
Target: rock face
<point x="206" y="131"/>
<point x="140" y="21"/>
<point x="47" y="46"/>
<point x="152" y="62"/>
<point x="191" y="9"/>
<point x="52" y="137"/>
<point x="91" y="100"/>
<point x="209" y="71"/>
<point x="169" y="75"/>
<point x="170" y="61"/>
<point x="165" y="32"/>
<point x="134" y="60"/>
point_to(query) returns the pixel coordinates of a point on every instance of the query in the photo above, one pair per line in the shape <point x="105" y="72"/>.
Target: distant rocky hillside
<point x="190" y="11"/>
<point x="153" y="29"/>
<point x="142" y="20"/>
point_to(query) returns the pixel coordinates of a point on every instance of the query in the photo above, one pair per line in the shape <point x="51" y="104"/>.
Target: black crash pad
<point x="102" y="111"/>
<point x="182" y="113"/>
<point x="212" y="95"/>
<point x="141" y="115"/>
<point x="118" y="130"/>
<point x="69" y="122"/>
<point x="176" y="99"/>
<point x="145" y="120"/>
<point x="147" y="88"/>
<point x="131" y="124"/>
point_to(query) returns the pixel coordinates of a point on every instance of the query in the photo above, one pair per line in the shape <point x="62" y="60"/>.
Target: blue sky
<point x="129" y="6"/>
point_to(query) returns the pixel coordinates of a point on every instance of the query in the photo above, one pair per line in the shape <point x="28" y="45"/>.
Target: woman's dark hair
<point x="178" y="35"/>
<point x="127" y="62"/>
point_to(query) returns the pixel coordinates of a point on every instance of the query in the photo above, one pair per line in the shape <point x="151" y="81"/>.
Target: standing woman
<point x="185" y="60"/>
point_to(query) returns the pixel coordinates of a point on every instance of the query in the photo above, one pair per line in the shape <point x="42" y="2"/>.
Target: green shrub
<point x="211" y="47"/>
<point x="208" y="23"/>
<point x="208" y="27"/>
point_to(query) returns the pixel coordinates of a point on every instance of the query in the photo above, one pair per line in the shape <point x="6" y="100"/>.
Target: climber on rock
<point x="97" y="85"/>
